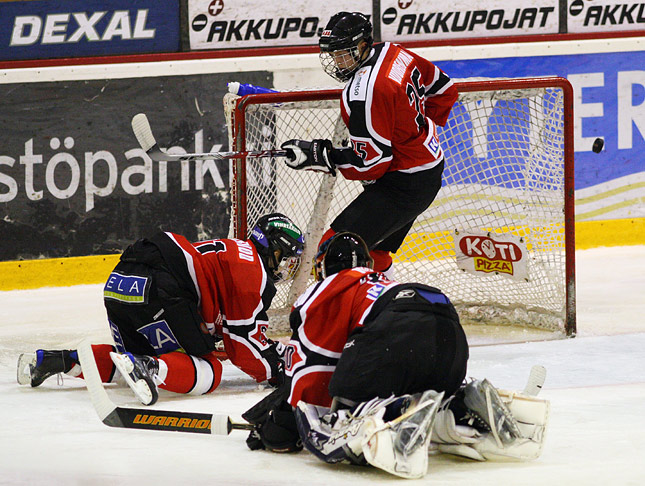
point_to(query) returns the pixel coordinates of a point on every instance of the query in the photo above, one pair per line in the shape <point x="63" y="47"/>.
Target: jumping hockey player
<point x="175" y="309"/>
<point x="392" y="104"/>
<point x="372" y="365"/>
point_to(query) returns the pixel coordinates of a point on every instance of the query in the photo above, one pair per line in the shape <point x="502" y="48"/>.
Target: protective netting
<point x="504" y="179"/>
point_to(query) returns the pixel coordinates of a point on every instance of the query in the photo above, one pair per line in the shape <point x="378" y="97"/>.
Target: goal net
<point x="499" y="237"/>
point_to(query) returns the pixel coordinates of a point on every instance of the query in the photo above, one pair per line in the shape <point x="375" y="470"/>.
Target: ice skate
<point x="140" y="373"/>
<point x="34" y="368"/>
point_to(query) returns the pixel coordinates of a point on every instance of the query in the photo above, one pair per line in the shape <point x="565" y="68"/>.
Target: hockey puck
<point x="598" y="144"/>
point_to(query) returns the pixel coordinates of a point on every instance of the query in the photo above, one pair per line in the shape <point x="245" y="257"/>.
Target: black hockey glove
<point x="275" y="423"/>
<point x="314" y="155"/>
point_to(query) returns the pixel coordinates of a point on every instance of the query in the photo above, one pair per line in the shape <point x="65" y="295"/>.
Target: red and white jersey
<point x="321" y="320"/>
<point x="234" y="292"/>
<point x="392" y="106"/>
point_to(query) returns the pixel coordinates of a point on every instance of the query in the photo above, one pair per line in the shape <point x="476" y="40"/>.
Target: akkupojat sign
<point x="42" y="29"/>
<point x="74" y="181"/>
<point x="218" y="24"/>
<point x="408" y="20"/>
<point x="604" y="15"/>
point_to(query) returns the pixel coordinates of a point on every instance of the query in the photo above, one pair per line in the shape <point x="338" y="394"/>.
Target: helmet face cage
<point x="341" y="64"/>
<point x="340" y="56"/>
<point x="341" y="251"/>
<point x="280" y="243"/>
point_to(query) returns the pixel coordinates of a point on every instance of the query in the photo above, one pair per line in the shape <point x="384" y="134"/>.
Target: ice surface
<point x="51" y="435"/>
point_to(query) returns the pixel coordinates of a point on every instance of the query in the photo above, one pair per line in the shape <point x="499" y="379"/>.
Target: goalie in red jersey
<point x="392" y="104"/>
<point x="176" y="308"/>
<point x="375" y="369"/>
<point x="357" y="335"/>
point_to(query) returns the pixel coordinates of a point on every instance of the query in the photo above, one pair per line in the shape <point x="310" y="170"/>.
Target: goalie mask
<point x="340" y="55"/>
<point x="341" y="251"/>
<point x="280" y="243"/>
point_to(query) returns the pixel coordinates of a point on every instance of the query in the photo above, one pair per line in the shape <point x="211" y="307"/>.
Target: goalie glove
<point x="275" y="423"/>
<point x="314" y="155"/>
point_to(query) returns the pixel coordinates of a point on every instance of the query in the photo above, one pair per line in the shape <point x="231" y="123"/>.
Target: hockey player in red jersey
<point x="175" y="309"/>
<point x="357" y="335"/>
<point x="392" y="104"/>
<point x="376" y="368"/>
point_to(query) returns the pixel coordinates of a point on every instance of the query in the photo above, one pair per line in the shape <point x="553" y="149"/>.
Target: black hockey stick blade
<point x="137" y="418"/>
<point x="195" y="422"/>
<point x="143" y="132"/>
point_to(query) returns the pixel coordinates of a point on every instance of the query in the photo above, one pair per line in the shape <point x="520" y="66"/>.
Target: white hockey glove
<point x="314" y="155"/>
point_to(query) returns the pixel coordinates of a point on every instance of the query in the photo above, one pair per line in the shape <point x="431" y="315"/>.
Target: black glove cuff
<point x="279" y="433"/>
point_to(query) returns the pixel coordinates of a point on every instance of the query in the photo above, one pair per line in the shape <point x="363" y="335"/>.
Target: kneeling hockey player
<point x="175" y="309"/>
<point x="393" y="357"/>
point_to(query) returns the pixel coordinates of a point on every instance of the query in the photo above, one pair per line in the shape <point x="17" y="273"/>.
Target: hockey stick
<point x="143" y="132"/>
<point x="137" y="418"/>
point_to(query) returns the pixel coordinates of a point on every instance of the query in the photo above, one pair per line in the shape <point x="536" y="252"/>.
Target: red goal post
<point x="499" y="239"/>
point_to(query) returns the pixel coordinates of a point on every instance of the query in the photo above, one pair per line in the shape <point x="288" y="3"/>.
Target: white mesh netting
<point x="504" y="175"/>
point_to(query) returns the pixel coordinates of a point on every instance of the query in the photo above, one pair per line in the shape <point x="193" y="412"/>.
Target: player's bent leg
<point x="104" y="363"/>
<point x="482" y="423"/>
<point x="182" y="373"/>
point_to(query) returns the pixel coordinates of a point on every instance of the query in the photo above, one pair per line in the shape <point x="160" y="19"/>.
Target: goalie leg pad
<point x="400" y="446"/>
<point x="391" y="434"/>
<point x="531" y="415"/>
<point x="338" y="436"/>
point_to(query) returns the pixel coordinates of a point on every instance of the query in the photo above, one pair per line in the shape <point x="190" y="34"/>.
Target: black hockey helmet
<point x="280" y="243"/>
<point x="339" y="53"/>
<point x="341" y="251"/>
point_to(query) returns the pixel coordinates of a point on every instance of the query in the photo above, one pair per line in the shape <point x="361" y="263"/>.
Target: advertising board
<point x="609" y="102"/>
<point x="42" y="29"/>
<point x="73" y="180"/>
<point x="215" y="24"/>
<point x="413" y="20"/>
